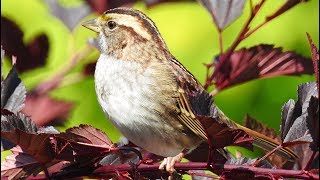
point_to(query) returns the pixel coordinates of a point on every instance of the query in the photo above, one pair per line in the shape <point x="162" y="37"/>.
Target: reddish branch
<point x="108" y="170"/>
<point x="311" y="160"/>
<point x="245" y="33"/>
<point x="240" y="37"/>
<point x="256" y="163"/>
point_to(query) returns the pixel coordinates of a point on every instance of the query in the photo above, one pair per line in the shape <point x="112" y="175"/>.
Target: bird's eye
<point x="112" y="24"/>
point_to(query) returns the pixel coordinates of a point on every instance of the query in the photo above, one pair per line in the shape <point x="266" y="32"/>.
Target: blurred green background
<point x="191" y="36"/>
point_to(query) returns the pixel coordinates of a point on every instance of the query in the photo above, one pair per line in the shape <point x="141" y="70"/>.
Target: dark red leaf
<point x="255" y="125"/>
<point x="220" y="134"/>
<point x="21" y="131"/>
<point x="313" y="122"/>
<point x="67" y="14"/>
<point x="101" y="6"/>
<point x="48" y="112"/>
<point x="300" y="123"/>
<point x="38" y="51"/>
<point x="6" y="145"/>
<point x="200" y="154"/>
<point x="98" y="6"/>
<point x="29" y="56"/>
<point x="304" y="153"/>
<point x="223" y="12"/>
<point x="243" y="173"/>
<point x="260" y="62"/>
<point x="12" y="38"/>
<point x="315" y="58"/>
<point x="79" y="147"/>
<point x="246" y="161"/>
<point x="18" y="121"/>
<point x="150" y="3"/>
<point x="87" y="135"/>
<point x="294" y="127"/>
<point x="13" y="92"/>
<point x="83" y="147"/>
<point x="19" y="165"/>
<point x="2" y="57"/>
<point x="89" y="69"/>
<point x="83" y="142"/>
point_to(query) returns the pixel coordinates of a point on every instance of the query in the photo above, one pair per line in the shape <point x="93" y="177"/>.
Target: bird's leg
<point x="169" y="162"/>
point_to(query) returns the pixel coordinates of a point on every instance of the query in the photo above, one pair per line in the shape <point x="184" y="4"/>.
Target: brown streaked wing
<point x="185" y="115"/>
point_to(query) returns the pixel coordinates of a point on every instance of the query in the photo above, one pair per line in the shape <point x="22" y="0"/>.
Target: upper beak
<point x="92" y="25"/>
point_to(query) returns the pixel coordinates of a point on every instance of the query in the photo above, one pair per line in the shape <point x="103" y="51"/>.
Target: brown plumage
<point x="139" y="86"/>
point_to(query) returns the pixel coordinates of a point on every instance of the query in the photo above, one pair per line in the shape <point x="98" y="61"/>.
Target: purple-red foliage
<point x="85" y="151"/>
<point x="30" y="55"/>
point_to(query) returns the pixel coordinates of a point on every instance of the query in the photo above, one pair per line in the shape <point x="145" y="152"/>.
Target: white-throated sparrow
<point x="139" y="87"/>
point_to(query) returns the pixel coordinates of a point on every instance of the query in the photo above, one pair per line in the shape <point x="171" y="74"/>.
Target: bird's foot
<point x="169" y="163"/>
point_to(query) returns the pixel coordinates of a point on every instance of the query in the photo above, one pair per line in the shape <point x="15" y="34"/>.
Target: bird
<point x="140" y="87"/>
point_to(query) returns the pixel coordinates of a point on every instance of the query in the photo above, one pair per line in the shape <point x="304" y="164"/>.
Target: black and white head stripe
<point x="148" y="29"/>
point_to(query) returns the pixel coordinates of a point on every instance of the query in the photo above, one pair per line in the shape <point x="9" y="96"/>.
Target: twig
<point x="266" y="156"/>
<point x="246" y="32"/>
<point x="310" y="160"/>
<point x="241" y="34"/>
<point x="220" y="42"/>
<point x="255" y="29"/>
<point x="239" y="38"/>
<point x="214" y="168"/>
<point x="268" y="19"/>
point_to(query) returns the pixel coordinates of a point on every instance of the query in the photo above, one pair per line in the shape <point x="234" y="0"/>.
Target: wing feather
<point x="186" y="115"/>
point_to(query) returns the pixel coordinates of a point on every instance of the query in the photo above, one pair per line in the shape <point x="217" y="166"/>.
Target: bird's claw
<point x="169" y="163"/>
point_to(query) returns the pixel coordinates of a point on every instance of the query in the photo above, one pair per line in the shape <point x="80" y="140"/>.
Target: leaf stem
<point x="266" y="156"/>
<point x="268" y="19"/>
<point x="310" y="160"/>
<point x="240" y="37"/>
<point x="220" y="42"/>
<point x="255" y="29"/>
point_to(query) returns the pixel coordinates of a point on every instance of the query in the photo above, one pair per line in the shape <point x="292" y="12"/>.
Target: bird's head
<point x="126" y="32"/>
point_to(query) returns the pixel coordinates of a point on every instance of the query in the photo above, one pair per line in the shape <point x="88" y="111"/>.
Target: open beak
<point x="92" y="25"/>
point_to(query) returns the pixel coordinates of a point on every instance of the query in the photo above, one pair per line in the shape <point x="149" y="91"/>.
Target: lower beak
<point x="92" y="25"/>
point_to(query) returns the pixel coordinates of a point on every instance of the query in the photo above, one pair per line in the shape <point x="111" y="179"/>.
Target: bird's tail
<point x="260" y="140"/>
<point x="264" y="142"/>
